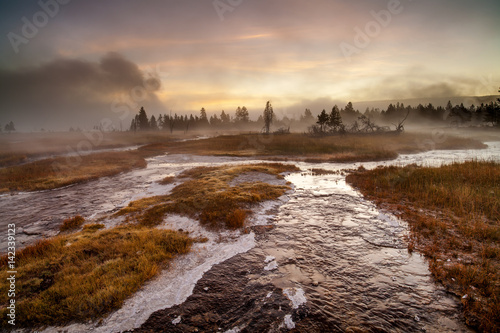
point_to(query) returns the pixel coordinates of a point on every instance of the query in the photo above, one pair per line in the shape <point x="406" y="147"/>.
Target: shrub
<point x="72" y="223"/>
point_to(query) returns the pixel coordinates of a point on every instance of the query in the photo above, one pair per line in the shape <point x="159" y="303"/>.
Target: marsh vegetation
<point x="61" y="171"/>
<point x="88" y="259"/>
<point x="453" y="212"/>
<point x="87" y="274"/>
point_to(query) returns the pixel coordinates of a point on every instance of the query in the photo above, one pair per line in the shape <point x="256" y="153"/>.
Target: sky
<point x="78" y="63"/>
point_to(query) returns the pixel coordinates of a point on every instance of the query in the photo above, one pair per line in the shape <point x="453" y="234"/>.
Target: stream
<point x="319" y="259"/>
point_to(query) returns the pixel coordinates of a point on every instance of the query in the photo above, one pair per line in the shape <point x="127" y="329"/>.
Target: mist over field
<point x="250" y="166"/>
<point x="72" y="64"/>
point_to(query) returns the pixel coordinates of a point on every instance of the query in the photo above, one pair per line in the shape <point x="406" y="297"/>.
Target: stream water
<point x="331" y="262"/>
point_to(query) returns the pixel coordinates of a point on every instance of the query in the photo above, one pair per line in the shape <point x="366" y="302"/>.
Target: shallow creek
<point x="331" y="262"/>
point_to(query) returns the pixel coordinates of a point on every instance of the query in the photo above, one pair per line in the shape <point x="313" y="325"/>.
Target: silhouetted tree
<point x="307" y="117"/>
<point x="225" y="118"/>
<point x="334" y="119"/>
<point x="242" y="115"/>
<point x="492" y="114"/>
<point x="203" y="117"/>
<point x="268" y="116"/>
<point x="400" y="127"/>
<point x="368" y="125"/>
<point x="133" y="125"/>
<point x="349" y="114"/>
<point x="214" y="121"/>
<point x="160" y="122"/>
<point x="153" y="124"/>
<point x="322" y="120"/>
<point x="171" y="122"/>
<point x="142" y="121"/>
<point x="10" y="127"/>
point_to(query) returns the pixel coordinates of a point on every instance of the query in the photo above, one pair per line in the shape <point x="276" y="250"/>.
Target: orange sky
<point x="222" y="54"/>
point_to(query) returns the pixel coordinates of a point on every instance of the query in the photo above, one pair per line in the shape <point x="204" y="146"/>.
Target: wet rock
<point x="34" y="230"/>
<point x="231" y="300"/>
<point x="261" y="229"/>
<point x="271" y="266"/>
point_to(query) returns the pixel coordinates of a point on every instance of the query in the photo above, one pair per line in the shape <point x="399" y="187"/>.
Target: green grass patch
<point x="454" y="217"/>
<point x="86" y="275"/>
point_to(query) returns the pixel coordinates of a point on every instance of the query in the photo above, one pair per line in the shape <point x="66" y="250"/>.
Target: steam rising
<point x="65" y="92"/>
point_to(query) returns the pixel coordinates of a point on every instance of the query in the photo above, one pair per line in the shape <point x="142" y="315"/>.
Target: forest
<point x="338" y="120"/>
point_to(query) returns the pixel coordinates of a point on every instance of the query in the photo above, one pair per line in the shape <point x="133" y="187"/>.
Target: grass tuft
<point x="93" y="227"/>
<point x="72" y="223"/>
<point x="167" y="180"/>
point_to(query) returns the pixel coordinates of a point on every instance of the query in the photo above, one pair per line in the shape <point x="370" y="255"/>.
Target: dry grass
<point x="453" y="212"/>
<point x="347" y="148"/>
<point x="93" y="227"/>
<point x="72" y="223"/>
<point x="16" y="147"/>
<point x="8" y="159"/>
<point x="88" y="274"/>
<point x="208" y="195"/>
<point x="59" y="172"/>
<point x="320" y="172"/>
<point x="63" y="171"/>
<point x="167" y="180"/>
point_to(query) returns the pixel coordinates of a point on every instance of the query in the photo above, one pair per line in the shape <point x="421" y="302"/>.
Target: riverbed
<point x="331" y="261"/>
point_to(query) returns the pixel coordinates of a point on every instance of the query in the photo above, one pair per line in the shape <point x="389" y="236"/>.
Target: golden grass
<point x="62" y="171"/>
<point x="58" y="172"/>
<point x="72" y="223"/>
<point x="207" y="194"/>
<point x="88" y="274"/>
<point x="454" y="217"/>
<point x="348" y="148"/>
<point x="167" y="180"/>
<point x="93" y="227"/>
<point x="16" y="147"/>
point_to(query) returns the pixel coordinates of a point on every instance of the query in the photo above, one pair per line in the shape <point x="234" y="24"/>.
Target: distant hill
<point x="436" y="101"/>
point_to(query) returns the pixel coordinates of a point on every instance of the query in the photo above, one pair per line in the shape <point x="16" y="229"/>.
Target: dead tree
<point x="399" y="127"/>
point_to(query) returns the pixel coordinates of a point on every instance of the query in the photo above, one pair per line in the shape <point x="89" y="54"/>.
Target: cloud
<point x="72" y="92"/>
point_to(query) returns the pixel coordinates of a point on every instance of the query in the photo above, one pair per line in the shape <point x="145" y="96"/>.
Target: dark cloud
<point x="286" y="50"/>
<point x="71" y="92"/>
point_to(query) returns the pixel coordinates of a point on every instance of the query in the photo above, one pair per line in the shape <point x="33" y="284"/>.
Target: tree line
<point x="169" y="122"/>
<point x="338" y="120"/>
